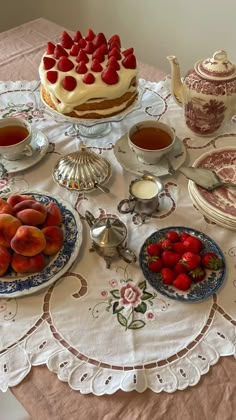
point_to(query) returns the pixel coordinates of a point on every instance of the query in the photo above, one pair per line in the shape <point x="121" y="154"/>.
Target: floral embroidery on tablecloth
<point x="132" y="304"/>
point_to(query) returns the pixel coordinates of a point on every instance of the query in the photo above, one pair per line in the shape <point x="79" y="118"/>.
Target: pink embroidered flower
<point x="113" y="282"/>
<point x="104" y="293"/>
<point x="130" y="295"/>
<point x="37" y="113"/>
<point x="30" y="104"/>
<point x="150" y="316"/>
<point x="19" y="114"/>
<point x="3" y="183"/>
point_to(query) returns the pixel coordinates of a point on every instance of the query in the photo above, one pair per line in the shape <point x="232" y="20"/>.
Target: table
<point x="56" y="399"/>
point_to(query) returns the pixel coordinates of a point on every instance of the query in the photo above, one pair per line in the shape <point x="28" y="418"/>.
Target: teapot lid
<point x="108" y="231"/>
<point x="216" y="68"/>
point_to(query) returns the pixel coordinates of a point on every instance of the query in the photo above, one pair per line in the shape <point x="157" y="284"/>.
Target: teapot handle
<point x="89" y="218"/>
<point x="126" y="254"/>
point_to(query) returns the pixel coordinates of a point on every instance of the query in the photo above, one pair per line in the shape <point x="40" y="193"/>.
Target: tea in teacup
<point x="15" y="138"/>
<point x="150" y="140"/>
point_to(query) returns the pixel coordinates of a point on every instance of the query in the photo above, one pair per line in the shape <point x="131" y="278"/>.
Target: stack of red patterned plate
<point x="218" y="205"/>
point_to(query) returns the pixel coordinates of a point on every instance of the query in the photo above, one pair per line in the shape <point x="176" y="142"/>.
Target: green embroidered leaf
<point x="115" y="308"/>
<point x="146" y="296"/>
<point x="142" y="285"/>
<point x="122" y="320"/>
<point x="135" y="325"/>
<point x="115" y="293"/>
<point x="141" y="308"/>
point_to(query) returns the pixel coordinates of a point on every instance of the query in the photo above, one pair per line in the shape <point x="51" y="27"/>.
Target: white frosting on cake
<point x="99" y="90"/>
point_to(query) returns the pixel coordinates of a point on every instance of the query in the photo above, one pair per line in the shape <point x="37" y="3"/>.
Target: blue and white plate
<point x="197" y="291"/>
<point x="13" y="285"/>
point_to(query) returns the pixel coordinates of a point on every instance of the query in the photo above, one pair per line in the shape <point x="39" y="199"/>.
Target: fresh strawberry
<point x="182" y="282"/>
<point x="183" y="236"/>
<point x="128" y="51"/>
<point x="114" y="44"/>
<point x="190" y="260"/>
<point x="96" y="66"/>
<point x="89" y="49"/>
<point x="89" y="79"/>
<point x="50" y="48"/>
<point x="193" y="244"/>
<point x="167" y="244"/>
<point x="66" y="40"/>
<point x="59" y="51"/>
<point x="172" y="235"/>
<point x="69" y="83"/>
<point x="129" y="62"/>
<point x="81" y="68"/>
<point x="170" y="258"/>
<point x="110" y="76"/>
<point x="52" y="76"/>
<point x="99" y="54"/>
<point x="168" y="275"/>
<point x="65" y="64"/>
<point x="90" y="35"/>
<point x="114" y="53"/>
<point x="115" y="38"/>
<point x="74" y="50"/>
<point x="104" y="48"/>
<point x="82" y="43"/>
<point x="179" y="268"/>
<point x="99" y="40"/>
<point x="178" y="247"/>
<point x="154" y="249"/>
<point x="77" y="36"/>
<point x="82" y="56"/>
<point x="48" y="63"/>
<point x="212" y="261"/>
<point x="113" y="63"/>
<point x="155" y="264"/>
<point x="198" y="274"/>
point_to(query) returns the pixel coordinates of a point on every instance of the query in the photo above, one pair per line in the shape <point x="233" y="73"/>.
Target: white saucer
<point x="39" y="144"/>
<point x="128" y="159"/>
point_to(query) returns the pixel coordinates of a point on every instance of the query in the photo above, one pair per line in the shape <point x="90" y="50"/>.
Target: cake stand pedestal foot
<point x="93" y="131"/>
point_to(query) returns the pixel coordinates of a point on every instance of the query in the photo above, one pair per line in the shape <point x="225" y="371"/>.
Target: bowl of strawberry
<point x="182" y="263"/>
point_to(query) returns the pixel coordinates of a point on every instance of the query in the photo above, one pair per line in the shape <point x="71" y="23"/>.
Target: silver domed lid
<point x="80" y="171"/>
<point x="108" y="231"/>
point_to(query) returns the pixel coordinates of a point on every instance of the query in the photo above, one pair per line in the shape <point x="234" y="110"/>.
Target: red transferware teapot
<point x="207" y="92"/>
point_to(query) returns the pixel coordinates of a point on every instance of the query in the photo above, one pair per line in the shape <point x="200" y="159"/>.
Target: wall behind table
<point x="15" y="12"/>
<point x="156" y="28"/>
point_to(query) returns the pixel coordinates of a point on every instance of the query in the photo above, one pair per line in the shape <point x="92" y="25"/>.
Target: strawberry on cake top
<point x="88" y="77"/>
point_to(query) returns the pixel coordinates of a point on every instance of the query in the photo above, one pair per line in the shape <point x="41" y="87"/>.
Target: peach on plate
<point x="54" y="239"/>
<point x="5" y="207"/>
<point x="54" y="216"/>
<point x="5" y="259"/>
<point x="8" y="227"/>
<point x="28" y="241"/>
<point x="22" y="264"/>
<point x="13" y="199"/>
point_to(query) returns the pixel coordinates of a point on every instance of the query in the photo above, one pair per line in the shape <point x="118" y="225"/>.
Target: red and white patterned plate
<point x="222" y="200"/>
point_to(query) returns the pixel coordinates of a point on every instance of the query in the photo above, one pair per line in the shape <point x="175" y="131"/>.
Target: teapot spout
<point x="176" y="83"/>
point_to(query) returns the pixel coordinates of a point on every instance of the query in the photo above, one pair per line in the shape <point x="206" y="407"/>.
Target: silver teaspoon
<point x="101" y="188"/>
<point x="205" y="178"/>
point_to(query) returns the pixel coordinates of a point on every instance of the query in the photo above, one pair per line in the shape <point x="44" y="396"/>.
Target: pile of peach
<point x="29" y="232"/>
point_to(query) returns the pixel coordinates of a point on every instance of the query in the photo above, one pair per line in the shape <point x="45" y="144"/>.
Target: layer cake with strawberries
<point x="88" y="77"/>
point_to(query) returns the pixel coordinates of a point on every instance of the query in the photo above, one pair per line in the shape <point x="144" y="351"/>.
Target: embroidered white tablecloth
<point x="72" y="326"/>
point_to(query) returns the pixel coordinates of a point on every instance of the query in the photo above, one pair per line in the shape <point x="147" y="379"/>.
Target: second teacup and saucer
<point x="130" y="159"/>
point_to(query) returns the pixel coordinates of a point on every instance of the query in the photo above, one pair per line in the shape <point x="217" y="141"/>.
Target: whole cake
<point x="88" y="77"/>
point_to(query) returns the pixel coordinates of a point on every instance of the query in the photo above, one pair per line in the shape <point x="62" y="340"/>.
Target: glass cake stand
<point x="98" y="127"/>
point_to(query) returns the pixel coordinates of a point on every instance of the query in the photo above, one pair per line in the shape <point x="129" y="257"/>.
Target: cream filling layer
<point x="84" y="92"/>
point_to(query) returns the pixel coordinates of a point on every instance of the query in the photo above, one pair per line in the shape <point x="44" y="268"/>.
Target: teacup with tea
<point x="15" y="138"/>
<point x="150" y="140"/>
